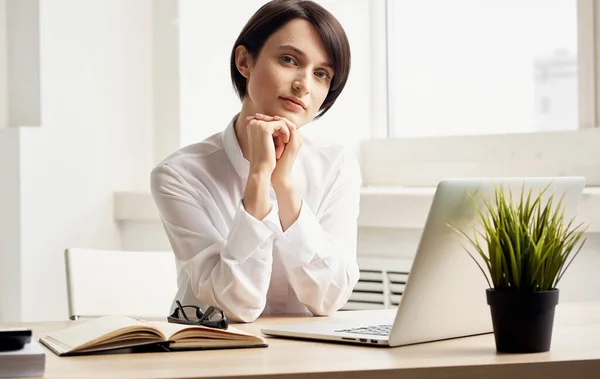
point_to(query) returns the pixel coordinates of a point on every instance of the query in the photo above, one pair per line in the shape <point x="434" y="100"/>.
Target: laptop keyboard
<point x="378" y="330"/>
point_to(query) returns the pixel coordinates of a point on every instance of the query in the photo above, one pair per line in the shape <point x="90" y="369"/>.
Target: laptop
<point x="444" y="295"/>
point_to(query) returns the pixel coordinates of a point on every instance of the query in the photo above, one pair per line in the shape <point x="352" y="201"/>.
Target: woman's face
<point x="291" y="75"/>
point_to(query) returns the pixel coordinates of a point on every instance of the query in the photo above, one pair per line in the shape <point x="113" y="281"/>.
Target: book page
<point x="98" y="330"/>
<point x="214" y="344"/>
<point x="179" y="331"/>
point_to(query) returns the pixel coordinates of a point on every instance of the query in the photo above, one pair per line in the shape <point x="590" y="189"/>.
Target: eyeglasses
<point x="213" y="317"/>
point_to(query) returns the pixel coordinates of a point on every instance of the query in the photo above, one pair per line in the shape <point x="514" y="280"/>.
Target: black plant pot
<point x="522" y="321"/>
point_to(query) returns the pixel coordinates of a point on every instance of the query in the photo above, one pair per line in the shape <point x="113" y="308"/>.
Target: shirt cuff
<point x="304" y="238"/>
<point x="272" y="220"/>
<point x="247" y="234"/>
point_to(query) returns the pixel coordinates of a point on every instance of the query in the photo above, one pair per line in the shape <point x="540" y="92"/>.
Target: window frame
<point x="425" y="161"/>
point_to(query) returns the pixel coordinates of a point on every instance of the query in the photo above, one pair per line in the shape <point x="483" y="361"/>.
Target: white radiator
<point x="377" y="289"/>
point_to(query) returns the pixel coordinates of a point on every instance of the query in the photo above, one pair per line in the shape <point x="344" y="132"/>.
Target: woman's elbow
<point x="325" y="311"/>
<point x="244" y="315"/>
<point x="327" y="307"/>
<point x="242" y="310"/>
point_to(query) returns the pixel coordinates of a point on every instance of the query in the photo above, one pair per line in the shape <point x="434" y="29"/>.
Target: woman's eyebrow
<point x="302" y="54"/>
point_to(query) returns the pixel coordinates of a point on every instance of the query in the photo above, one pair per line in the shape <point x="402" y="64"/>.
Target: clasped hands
<point x="273" y="143"/>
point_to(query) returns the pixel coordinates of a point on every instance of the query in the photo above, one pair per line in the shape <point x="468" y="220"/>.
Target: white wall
<point x="96" y="138"/>
<point x="165" y="62"/>
<point x="349" y="120"/>
<point x="208" y="100"/>
<point x="10" y="225"/>
<point x="23" y="62"/>
<point x="3" y="67"/>
<point x="19" y="63"/>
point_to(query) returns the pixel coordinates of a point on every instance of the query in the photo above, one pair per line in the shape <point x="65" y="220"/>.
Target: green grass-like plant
<point x="528" y="242"/>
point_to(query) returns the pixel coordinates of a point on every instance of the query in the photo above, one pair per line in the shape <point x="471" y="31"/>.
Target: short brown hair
<point x="274" y="15"/>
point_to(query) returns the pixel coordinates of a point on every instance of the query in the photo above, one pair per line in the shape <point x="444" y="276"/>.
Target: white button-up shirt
<point x="228" y="258"/>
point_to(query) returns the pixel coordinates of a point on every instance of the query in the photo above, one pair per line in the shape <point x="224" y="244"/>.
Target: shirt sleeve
<point x="230" y="271"/>
<point x="319" y="254"/>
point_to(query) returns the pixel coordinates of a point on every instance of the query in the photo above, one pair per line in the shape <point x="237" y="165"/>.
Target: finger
<point x="259" y="116"/>
<point x="263" y="117"/>
<point x="279" y="128"/>
<point x="284" y="130"/>
<point x="253" y="123"/>
<point x="291" y="149"/>
<point x="272" y="126"/>
<point x="279" y="147"/>
<point x="279" y="151"/>
<point x="289" y="124"/>
<point x="280" y="132"/>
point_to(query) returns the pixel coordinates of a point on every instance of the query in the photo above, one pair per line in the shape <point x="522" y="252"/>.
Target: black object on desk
<point x="14" y="339"/>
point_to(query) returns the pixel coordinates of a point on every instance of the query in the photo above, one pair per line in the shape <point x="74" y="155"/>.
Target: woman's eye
<point x="322" y="74"/>
<point x="287" y="59"/>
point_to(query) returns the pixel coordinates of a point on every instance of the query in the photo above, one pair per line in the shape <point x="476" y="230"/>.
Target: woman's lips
<point x="291" y="105"/>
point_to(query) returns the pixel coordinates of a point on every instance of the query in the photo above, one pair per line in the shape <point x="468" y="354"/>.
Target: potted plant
<point x="525" y="246"/>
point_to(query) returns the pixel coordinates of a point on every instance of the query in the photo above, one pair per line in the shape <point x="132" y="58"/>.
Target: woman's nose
<point x="301" y="84"/>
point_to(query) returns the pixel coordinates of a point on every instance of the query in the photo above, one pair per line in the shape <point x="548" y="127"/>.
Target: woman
<point x="259" y="221"/>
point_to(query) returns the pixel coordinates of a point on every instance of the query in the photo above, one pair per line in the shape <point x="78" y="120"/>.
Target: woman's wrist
<point x="262" y="176"/>
<point x="256" y="195"/>
<point x="289" y="204"/>
<point x="282" y="185"/>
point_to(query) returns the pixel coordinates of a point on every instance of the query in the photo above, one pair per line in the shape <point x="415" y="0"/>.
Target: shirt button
<point x="263" y="246"/>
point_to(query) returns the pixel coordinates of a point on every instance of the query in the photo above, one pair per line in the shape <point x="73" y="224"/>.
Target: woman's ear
<point x="243" y="61"/>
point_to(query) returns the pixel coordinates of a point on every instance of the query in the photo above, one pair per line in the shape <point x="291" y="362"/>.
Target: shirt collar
<point x="233" y="150"/>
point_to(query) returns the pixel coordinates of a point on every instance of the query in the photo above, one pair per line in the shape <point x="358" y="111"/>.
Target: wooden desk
<point x="575" y="353"/>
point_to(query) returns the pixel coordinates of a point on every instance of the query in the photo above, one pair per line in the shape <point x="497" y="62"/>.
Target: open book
<point x="109" y="333"/>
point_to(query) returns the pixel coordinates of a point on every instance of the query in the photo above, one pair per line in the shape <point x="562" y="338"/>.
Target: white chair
<point x="131" y="283"/>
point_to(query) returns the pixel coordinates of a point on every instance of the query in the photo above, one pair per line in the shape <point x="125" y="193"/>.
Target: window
<point x="486" y="67"/>
<point x="486" y="88"/>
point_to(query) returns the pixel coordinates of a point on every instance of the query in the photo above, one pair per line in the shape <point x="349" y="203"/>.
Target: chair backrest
<point x="130" y="283"/>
